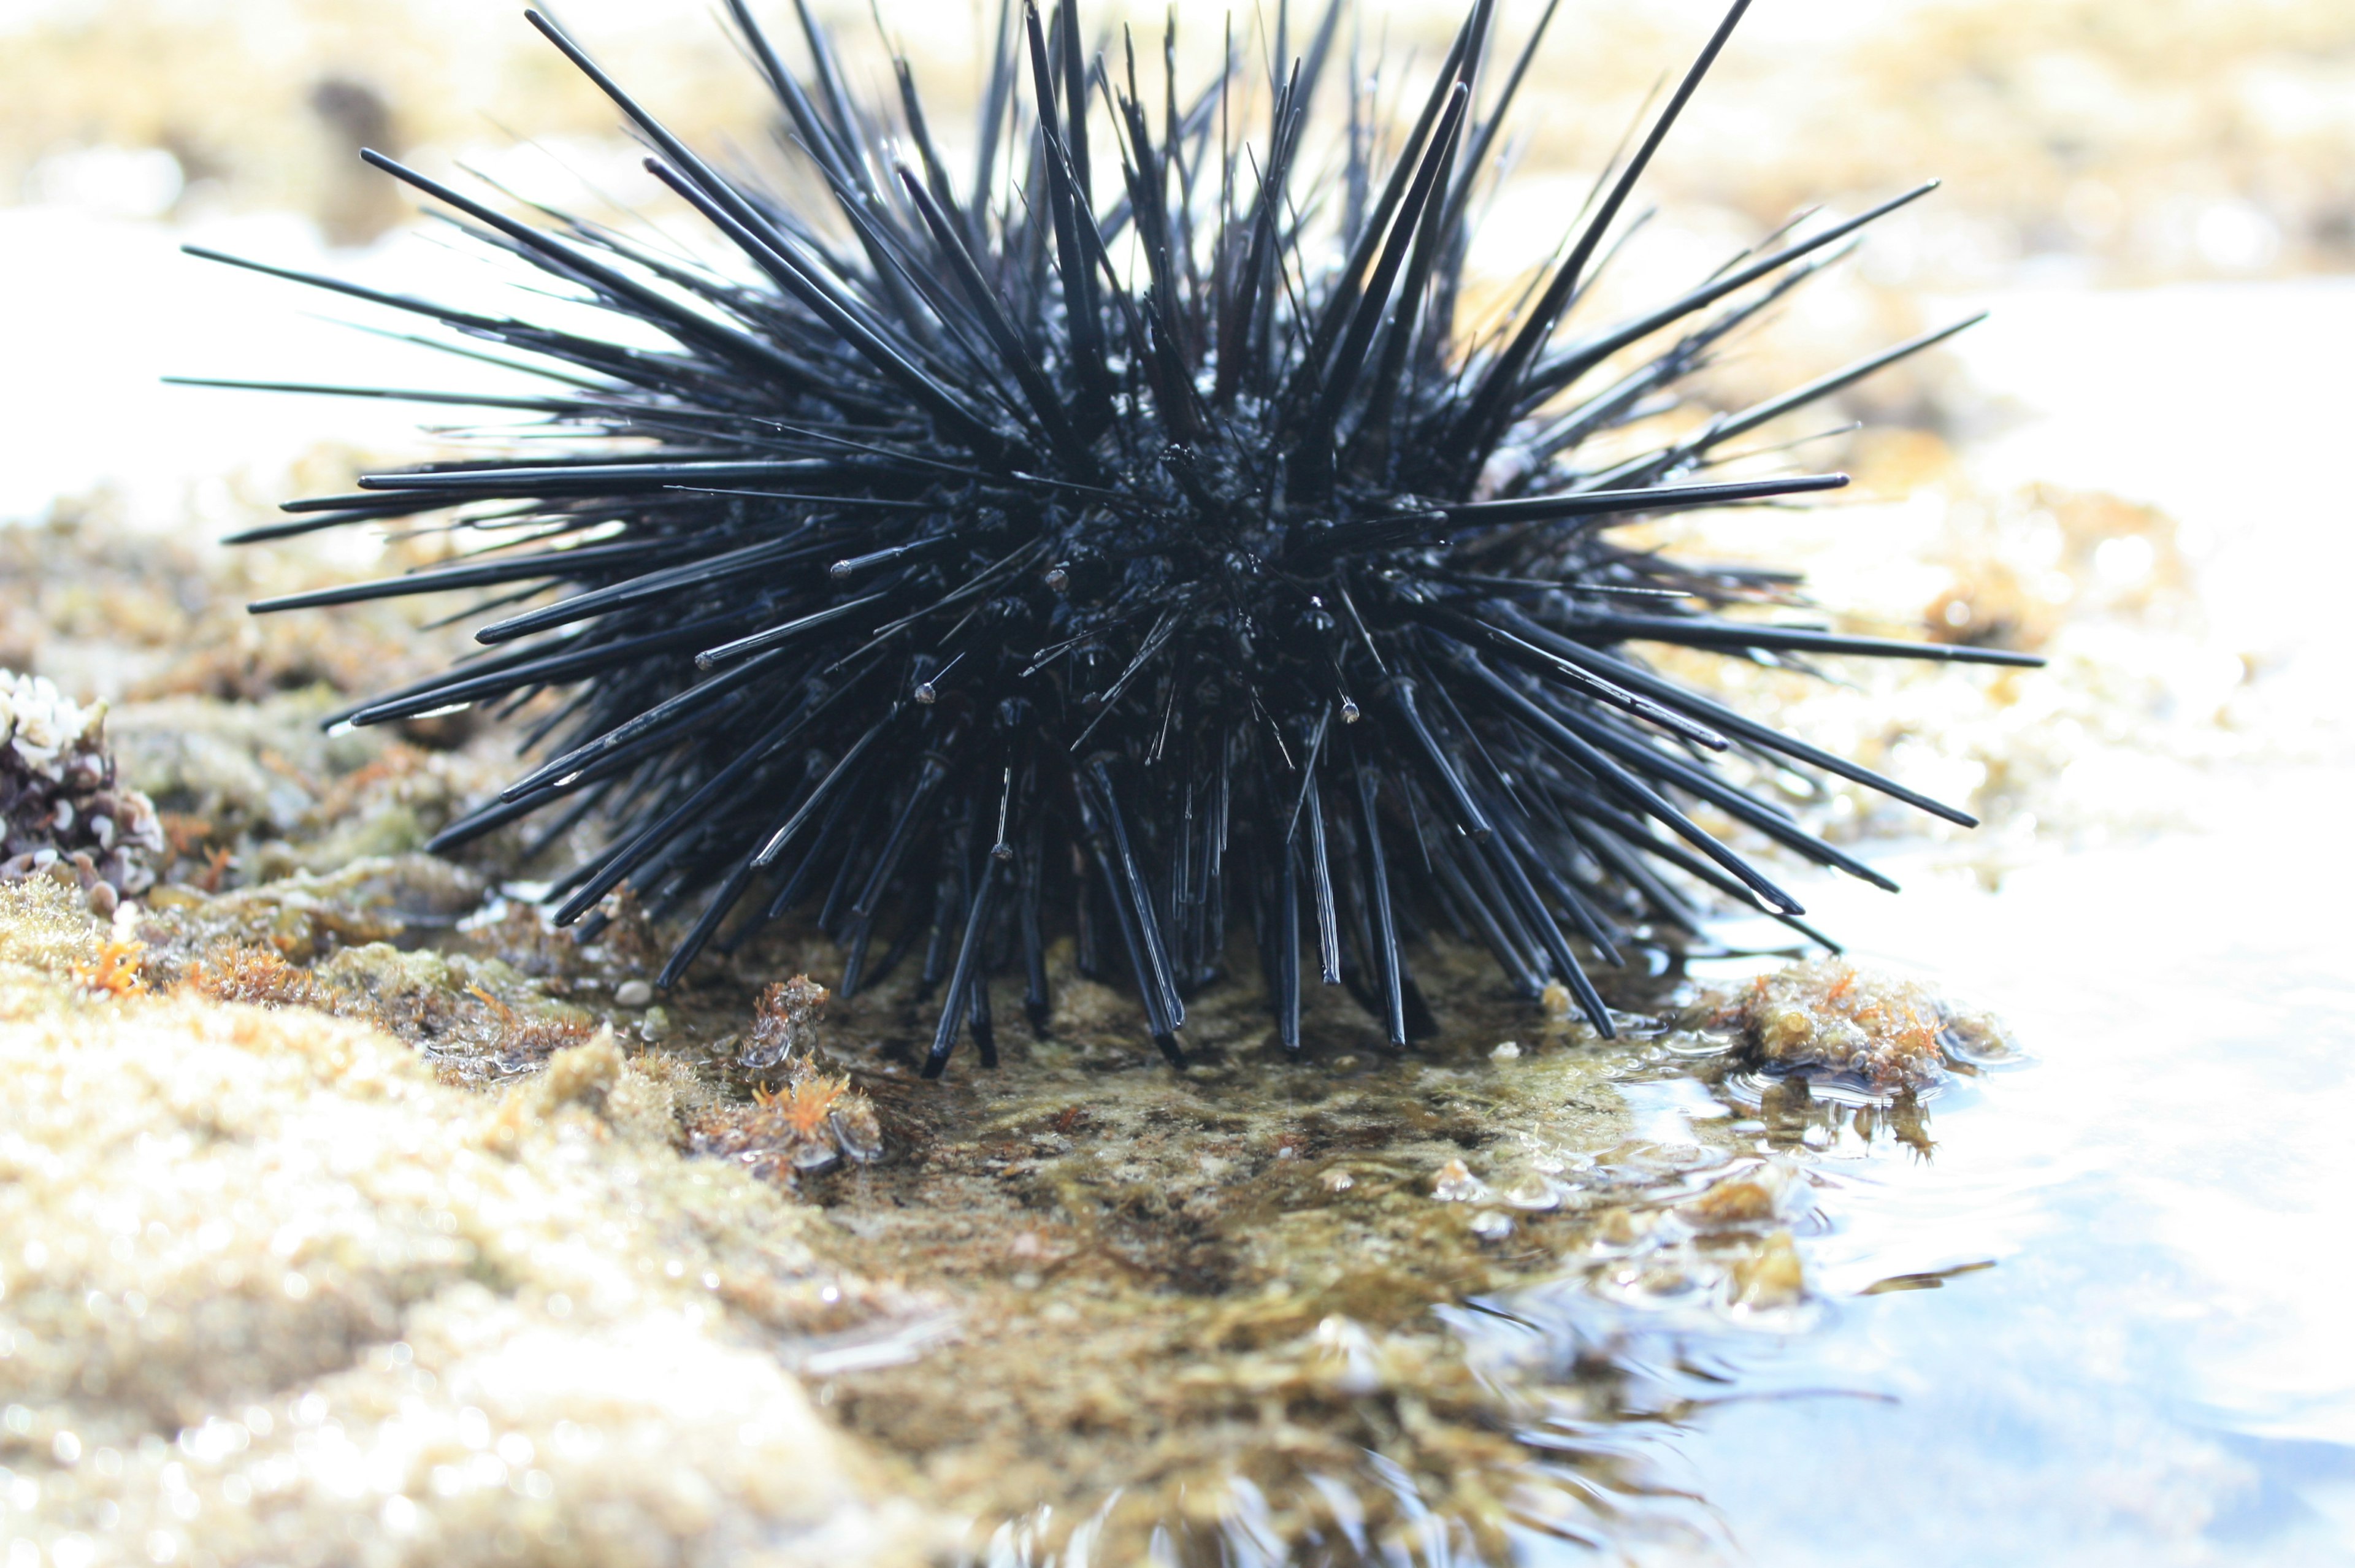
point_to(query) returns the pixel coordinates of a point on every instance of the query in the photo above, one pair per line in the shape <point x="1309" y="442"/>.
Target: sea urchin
<point x="1159" y="550"/>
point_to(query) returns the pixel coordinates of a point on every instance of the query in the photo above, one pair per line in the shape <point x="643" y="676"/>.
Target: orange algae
<point x="115" y="972"/>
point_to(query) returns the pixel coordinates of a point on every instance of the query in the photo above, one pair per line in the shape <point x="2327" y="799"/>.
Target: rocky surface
<point x="272" y="1294"/>
<point x="333" y="1230"/>
<point x="550" y="1224"/>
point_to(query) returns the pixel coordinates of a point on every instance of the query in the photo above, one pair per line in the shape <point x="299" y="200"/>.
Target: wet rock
<point x="252" y="793"/>
<point x="306" y="916"/>
<point x="235" y="772"/>
<point x="1770" y="1277"/>
<point x="1731" y="1203"/>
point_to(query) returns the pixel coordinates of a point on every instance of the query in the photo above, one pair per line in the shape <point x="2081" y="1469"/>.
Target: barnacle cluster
<point x="63" y="811"/>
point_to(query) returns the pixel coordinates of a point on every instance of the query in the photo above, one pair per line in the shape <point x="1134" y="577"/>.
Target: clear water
<point x="2129" y="1339"/>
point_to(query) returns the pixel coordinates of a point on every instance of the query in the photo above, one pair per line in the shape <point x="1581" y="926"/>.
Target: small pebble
<point x="1771" y="1277"/>
<point x="634" y="994"/>
<point x="1508" y="1052"/>
<point x="1457" y="1184"/>
<point x="1491" y="1226"/>
<point x="654" y="1025"/>
<point x="1731" y="1203"/>
<point x="1535" y="1194"/>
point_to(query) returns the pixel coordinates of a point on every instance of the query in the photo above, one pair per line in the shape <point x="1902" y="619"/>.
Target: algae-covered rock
<point x="371" y="1187"/>
<point x="254" y="791"/>
<point x="271" y="1294"/>
<point x="45" y="933"/>
<point x="306" y="915"/>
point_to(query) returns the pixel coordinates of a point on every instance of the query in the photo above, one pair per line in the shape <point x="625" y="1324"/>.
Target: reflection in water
<point x="1674" y="1288"/>
<point x="2157" y="1368"/>
<point x="2089" y="1310"/>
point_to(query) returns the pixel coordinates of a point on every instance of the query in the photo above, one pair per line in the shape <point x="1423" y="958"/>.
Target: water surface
<point x="2157" y="1367"/>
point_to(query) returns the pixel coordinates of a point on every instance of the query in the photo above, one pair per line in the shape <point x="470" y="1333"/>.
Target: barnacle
<point x="784" y="1024"/>
<point x="62" y="811"/>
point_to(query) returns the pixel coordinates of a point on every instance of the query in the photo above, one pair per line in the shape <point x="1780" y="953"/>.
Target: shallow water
<point x="2147" y="1357"/>
<point x="2112" y="1317"/>
<point x="2157" y="1368"/>
<point x="2090" y="1308"/>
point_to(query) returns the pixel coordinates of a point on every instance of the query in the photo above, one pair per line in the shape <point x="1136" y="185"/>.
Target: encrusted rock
<point x="307" y="916"/>
<point x="64" y="812"/>
<point x="1889" y="1032"/>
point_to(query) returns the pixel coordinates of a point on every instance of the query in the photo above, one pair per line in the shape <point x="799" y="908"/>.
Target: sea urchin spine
<point x="1162" y="553"/>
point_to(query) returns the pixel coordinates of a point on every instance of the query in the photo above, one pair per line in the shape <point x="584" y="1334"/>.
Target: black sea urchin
<point x="1161" y="552"/>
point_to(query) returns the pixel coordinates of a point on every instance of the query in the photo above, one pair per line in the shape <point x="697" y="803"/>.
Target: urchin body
<point x="994" y="556"/>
